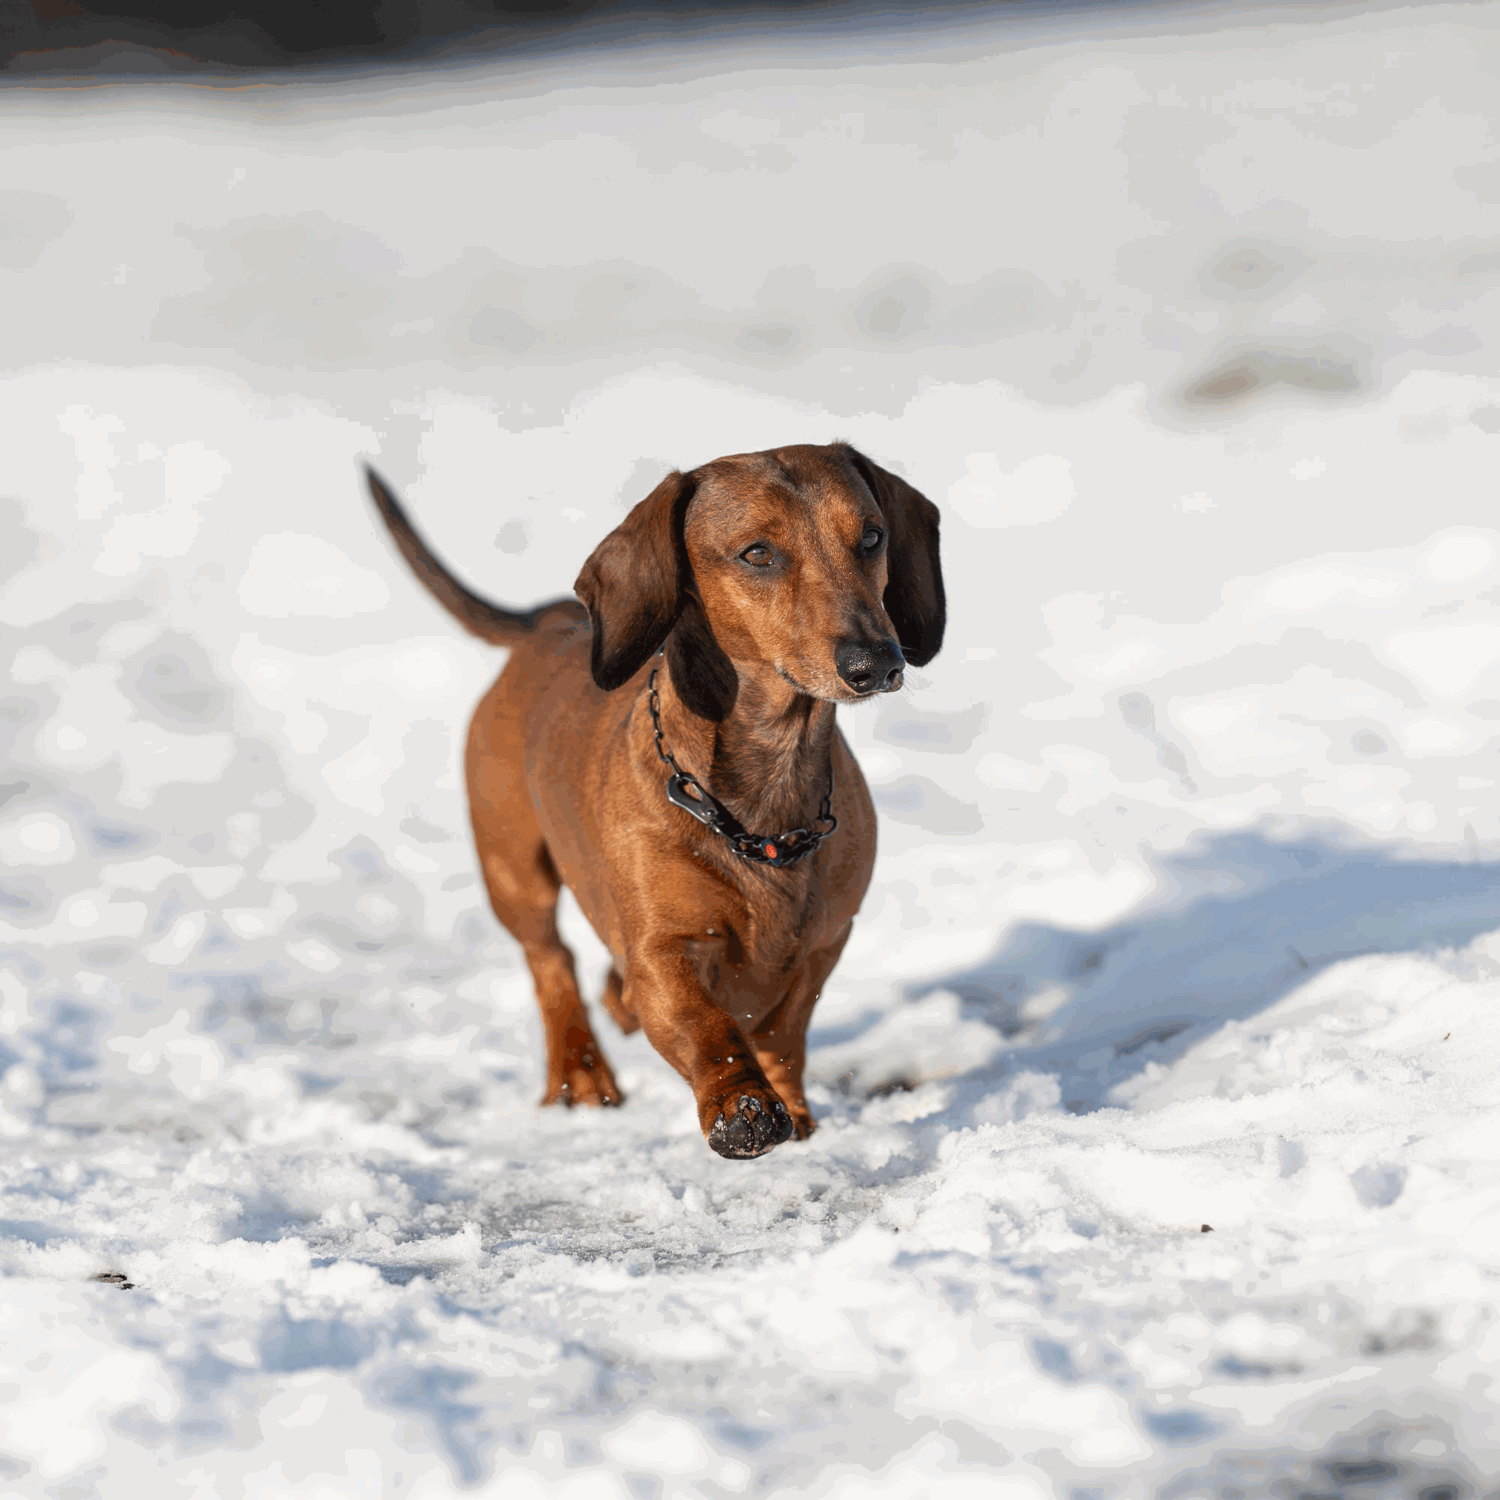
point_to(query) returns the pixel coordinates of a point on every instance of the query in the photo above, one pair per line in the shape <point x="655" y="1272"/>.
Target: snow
<point x="1157" y="1089"/>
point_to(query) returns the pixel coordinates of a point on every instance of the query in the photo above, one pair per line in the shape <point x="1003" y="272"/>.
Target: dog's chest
<point x="750" y="958"/>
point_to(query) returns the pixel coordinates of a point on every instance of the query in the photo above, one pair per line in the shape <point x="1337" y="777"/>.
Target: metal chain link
<point x="764" y="849"/>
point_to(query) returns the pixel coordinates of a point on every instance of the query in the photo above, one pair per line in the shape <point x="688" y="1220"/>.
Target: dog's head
<point x="812" y="563"/>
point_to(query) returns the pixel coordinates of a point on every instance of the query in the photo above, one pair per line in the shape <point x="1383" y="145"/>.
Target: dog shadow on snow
<point x="1237" y="922"/>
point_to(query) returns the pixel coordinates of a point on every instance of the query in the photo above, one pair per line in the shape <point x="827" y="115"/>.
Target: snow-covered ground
<point x="1188" y="904"/>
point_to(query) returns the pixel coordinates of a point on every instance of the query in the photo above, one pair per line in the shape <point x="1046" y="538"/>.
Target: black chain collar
<point x="759" y="848"/>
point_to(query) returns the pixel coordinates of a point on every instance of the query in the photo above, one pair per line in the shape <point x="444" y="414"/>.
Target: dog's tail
<point x="501" y="627"/>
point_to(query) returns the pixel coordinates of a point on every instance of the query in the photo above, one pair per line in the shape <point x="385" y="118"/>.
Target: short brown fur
<point x="719" y="960"/>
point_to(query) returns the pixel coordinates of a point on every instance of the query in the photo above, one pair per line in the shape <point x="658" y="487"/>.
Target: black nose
<point x="871" y="667"/>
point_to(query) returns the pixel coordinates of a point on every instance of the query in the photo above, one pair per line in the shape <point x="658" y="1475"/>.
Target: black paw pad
<point x="752" y="1130"/>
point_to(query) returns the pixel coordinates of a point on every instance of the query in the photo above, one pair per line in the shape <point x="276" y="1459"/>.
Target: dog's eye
<point x="757" y="556"/>
<point x="872" y="538"/>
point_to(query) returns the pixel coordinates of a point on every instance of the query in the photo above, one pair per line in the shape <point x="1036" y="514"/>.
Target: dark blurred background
<point x="144" y="36"/>
<point x="113" y="38"/>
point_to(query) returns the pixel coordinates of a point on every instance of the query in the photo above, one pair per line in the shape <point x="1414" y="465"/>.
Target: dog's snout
<point x="869" y="666"/>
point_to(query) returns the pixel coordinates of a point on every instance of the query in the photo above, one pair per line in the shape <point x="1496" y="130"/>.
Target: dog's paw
<point x="585" y="1080"/>
<point x="752" y="1127"/>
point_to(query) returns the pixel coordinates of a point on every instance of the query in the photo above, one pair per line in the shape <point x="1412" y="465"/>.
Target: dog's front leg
<point x="739" y="1112"/>
<point x="780" y="1040"/>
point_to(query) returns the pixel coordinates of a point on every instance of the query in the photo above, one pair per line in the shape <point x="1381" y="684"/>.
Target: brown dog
<point x="776" y="585"/>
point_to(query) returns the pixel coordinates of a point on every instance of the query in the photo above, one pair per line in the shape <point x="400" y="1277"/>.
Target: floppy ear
<point x="914" y="574"/>
<point x="632" y="584"/>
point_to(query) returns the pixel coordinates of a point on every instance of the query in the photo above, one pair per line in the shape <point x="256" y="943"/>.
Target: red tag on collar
<point x="771" y="851"/>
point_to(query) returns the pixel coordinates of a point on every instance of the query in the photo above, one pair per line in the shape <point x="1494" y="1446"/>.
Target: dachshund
<point x="666" y="749"/>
